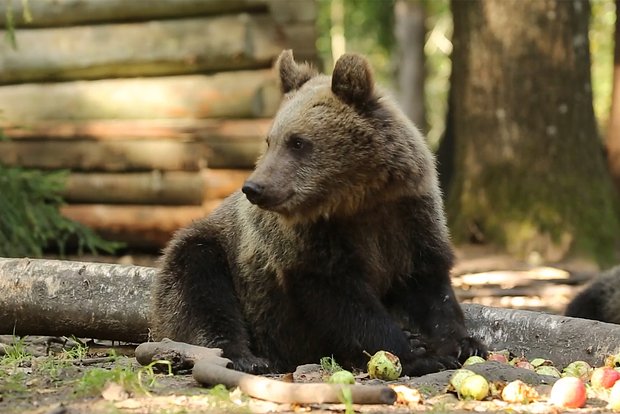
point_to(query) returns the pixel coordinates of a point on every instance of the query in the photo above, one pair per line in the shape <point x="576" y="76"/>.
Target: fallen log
<point x="136" y="129"/>
<point x="236" y="94"/>
<point x="263" y="388"/>
<point x="537" y="335"/>
<point x="220" y="183"/>
<point x="298" y="11"/>
<point x="149" y="227"/>
<point x="54" y="297"/>
<point x="66" y="12"/>
<point x="181" y="355"/>
<point x="155" y="187"/>
<point x="152" y="48"/>
<point x="107" y="301"/>
<point x="144" y="155"/>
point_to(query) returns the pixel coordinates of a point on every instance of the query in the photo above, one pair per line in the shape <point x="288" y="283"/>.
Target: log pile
<point x="158" y="112"/>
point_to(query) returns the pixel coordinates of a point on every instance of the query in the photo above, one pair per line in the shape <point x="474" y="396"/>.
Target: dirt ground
<point x="64" y="375"/>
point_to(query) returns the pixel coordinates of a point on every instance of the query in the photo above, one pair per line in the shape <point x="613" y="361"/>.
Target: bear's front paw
<point x="251" y="364"/>
<point x="417" y="344"/>
<point x="470" y="346"/>
<point x="429" y="365"/>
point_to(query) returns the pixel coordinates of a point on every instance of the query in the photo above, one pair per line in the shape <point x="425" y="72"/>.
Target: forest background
<point x="536" y="183"/>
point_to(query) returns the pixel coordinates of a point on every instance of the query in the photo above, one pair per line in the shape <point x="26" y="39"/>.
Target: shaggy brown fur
<point x="600" y="300"/>
<point x="338" y="246"/>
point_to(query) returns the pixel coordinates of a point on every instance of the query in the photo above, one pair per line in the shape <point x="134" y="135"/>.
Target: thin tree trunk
<point x="529" y="173"/>
<point x="613" y="132"/>
<point x="409" y="32"/>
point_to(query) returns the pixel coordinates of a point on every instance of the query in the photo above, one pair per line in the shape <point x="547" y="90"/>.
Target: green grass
<point x="329" y="365"/>
<point x="15" y="354"/>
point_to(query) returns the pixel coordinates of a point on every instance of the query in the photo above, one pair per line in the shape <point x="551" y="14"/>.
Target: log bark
<point x="237" y="94"/>
<point x="109" y="301"/>
<point x="141" y="155"/>
<point x="157" y="47"/>
<point x="46" y="13"/>
<point x="538" y="335"/>
<point x="53" y="297"/>
<point x="298" y="11"/>
<point x="222" y="183"/>
<point x="137" y="225"/>
<point x="135" y="129"/>
<point x="155" y="187"/>
<point x="263" y="388"/>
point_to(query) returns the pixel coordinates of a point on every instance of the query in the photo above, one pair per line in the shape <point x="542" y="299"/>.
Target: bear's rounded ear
<point x="352" y="80"/>
<point x="292" y="75"/>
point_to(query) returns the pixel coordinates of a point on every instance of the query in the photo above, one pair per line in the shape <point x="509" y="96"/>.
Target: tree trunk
<point x="529" y="171"/>
<point x="409" y="32"/>
<point x="613" y="131"/>
<point x="56" y="297"/>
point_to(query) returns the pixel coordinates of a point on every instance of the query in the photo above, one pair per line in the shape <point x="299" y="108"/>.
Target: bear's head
<point x="337" y="145"/>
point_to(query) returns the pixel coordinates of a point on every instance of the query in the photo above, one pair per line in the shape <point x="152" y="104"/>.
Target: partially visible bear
<point x="336" y="245"/>
<point x="600" y="300"/>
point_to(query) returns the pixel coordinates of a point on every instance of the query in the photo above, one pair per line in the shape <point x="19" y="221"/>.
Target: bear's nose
<point x="253" y="191"/>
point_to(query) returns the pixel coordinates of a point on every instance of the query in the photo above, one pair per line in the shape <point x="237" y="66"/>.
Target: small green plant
<point x="136" y="381"/>
<point x="15" y="354"/>
<point x="31" y="217"/>
<point x="79" y="351"/>
<point x="329" y="365"/>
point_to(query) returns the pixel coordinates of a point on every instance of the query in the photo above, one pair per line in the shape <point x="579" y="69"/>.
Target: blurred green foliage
<point x="30" y="219"/>
<point x="369" y="29"/>
<point x="602" y="50"/>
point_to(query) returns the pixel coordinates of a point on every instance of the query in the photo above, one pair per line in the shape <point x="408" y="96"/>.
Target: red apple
<point x="604" y="377"/>
<point x="497" y="356"/>
<point x="569" y="392"/>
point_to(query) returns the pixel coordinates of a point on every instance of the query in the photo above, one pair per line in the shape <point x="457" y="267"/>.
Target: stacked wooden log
<point x="158" y="108"/>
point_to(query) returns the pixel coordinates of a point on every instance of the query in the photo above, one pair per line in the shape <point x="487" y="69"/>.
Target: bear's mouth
<point x="275" y="204"/>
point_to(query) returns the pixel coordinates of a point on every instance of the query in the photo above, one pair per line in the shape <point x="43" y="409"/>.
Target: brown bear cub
<point x="337" y="243"/>
<point x="600" y="300"/>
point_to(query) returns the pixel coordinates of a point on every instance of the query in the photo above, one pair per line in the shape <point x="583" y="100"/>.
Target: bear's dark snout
<point x="254" y="192"/>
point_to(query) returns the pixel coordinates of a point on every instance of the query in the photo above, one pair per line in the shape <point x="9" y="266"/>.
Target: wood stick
<point x="156" y="47"/>
<point x="263" y="388"/>
<point x="180" y="354"/>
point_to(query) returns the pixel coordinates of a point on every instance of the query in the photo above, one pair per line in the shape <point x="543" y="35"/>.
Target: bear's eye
<point x="296" y="142"/>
